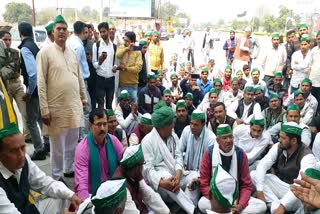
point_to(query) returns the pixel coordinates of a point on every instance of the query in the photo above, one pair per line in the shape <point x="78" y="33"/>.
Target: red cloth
<point x="226" y="84"/>
<point x="245" y="183"/>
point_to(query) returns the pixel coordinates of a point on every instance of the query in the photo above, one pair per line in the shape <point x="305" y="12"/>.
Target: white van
<point x="39" y="35"/>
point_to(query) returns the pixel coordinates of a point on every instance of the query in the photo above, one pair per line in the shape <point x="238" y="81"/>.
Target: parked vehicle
<point x="164" y="35"/>
<point x="39" y="35"/>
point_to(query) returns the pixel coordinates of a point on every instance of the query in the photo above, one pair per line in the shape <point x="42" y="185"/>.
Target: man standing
<point x="103" y="60"/>
<point x="29" y="51"/>
<point x="234" y="160"/>
<point x="149" y="95"/>
<point x="160" y="149"/>
<point x="182" y="118"/>
<point x="130" y="65"/>
<point x="274" y="59"/>
<point x="300" y="63"/>
<point x="207" y="44"/>
<point x="145" y="70"/>
<point x="156" y="53"/>
<point x="230" y="46"/>
<point x="19" y="175"/>
<point x="75" y="43"/>
<point x="10" y="72"/>
<point x="314" y="73"/>
<point x="286" y="159"/>
<point x="96" y="156"/>
<point x="289" y="46"/>
<point x="62" y="95"/>
<point x="189" y="47"/>
<point x="242" y="51"/>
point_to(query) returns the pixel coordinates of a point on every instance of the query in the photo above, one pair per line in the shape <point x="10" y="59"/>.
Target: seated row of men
<point x="211" y="171"/>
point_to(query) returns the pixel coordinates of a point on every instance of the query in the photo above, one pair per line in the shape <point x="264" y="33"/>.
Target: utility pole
<point x="33" y="14"/>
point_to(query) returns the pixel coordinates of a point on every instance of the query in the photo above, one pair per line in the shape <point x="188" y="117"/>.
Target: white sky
<point x="200" y="10"/>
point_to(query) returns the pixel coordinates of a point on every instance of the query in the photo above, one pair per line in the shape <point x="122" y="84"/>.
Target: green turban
<point x="274" y="96"/>
<point x="166" y="91"/>
<point x="302" y="25"/>
<point x="174" y="75"/>
<point x="109" y="112"/>
<point x="132" y="156"/>
<point x="152" y="76"/>
<point x="213" y="90"/>
<point x="10" y="129"/>
<point x="59" y="19"/>
<point x="275" y="35"/>
<point x="312" y="173"/>
<point x="293" y="107"/>
<point x="198" y="115"/>
<point x="278" y="74"/>
<point x="155" y="33"/>
<point x="257" y="120"/>
<point x="307" y="80"/>
<point x="124" y="94"/>
<point x="162" y="117"/>
<point x="291" y="128"/>
<point x="318" y="33"/>
<point x="224" y="129"/>
<point x="228" y="67"/>
<point x="258" y="88"/>
<point x="305" y="38"/>
<point x="181" y="104"/>
<point x="189" y="96"/>
<point x="110" y="23"/>
<point x="159" y="72"/>
<point x="146" y="119"/>
<point x="148" y="34"/>
<point x="49" y="26"/>
<point x="255" y="69"/>
<point x="159" y="104"/>
<point x="205" y="70"/>
<point x="109" y="195"/>
<point x="143" y="42"/>
<point x="297" y="93"/>
<point x="235" y="79"/>
<point x="217" y="80"/>
<point x="249" y="88"/>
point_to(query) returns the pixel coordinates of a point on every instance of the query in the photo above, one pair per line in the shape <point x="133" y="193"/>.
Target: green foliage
<point x="17" y="12"/>
<point x="239" y="25"/>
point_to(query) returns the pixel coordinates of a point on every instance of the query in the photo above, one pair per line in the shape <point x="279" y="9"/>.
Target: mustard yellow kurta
<point x="156" y="56"/>
<point x="61" y="88"/>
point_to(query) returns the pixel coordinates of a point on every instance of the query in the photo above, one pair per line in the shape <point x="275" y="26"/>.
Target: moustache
<point x="102" y="132"/>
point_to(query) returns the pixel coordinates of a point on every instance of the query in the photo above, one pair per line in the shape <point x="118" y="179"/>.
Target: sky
<point x="199" y="10"/>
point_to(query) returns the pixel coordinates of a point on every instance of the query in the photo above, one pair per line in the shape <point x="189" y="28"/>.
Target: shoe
<point x="38" y="156"/>
<point x="68" y="175"/>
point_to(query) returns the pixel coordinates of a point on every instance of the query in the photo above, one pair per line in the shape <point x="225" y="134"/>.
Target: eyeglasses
<point x="101" y="124"/>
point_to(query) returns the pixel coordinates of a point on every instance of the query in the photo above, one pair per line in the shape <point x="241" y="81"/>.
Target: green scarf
<point x="95" y="173"/>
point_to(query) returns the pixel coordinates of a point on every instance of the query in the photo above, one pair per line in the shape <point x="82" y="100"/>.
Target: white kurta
<point x="301" y="67"/>
<point x="252" y="146"/>
<point x="267" y="183"/>
<point x="231" y="111"/>
<point x="229" y="97"/>
<point x="38" y="182"/>
<point x="311" y="100"/>
<point x="129" y="122"/>
<point x="194" y="147"/>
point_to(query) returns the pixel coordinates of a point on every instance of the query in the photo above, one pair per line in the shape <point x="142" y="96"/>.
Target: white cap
<point x="129" y="152"/>
<point x="108" y="188"/>
<point x="248" y="29"/>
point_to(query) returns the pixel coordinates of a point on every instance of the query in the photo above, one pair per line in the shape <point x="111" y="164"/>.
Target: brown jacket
<point x="240" y="54"/>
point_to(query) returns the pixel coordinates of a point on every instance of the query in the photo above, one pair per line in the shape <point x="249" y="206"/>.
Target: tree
<point x="270" y="24"/>
<point x="239" y="25"/>
<point x="165" y="11"/>
<point x="17" y="12"/>
<point x="255" y="24"/>
<point x="45" y="15"/>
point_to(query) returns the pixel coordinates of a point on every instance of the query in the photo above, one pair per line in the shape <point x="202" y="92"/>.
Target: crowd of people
<point x="139" y="134"/>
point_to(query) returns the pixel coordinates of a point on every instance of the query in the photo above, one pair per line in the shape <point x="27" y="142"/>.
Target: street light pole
<point x="33" y="14"/>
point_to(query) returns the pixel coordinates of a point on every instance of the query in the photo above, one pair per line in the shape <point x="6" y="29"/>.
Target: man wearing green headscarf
<point x="182" y="118"/>
<point x="235" y="162"/>
<point x="253" y="139"/>
<point x="275" y="112"/>
<point x="19" y="175"/>
<point x="275" y="85"/>
<point x="306" y="112"/>
<point x="292" y="115"/>
<point x="286" y="159"/>
<point x="160" y="149"/>
<point x="300" y="63"/>
<point x="315" y="67"/>
<point x="156" y="53"/>
<point x="274" y="58"/>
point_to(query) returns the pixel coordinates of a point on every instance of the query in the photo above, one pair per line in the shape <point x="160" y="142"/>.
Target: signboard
<point x="132" y="8"/>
